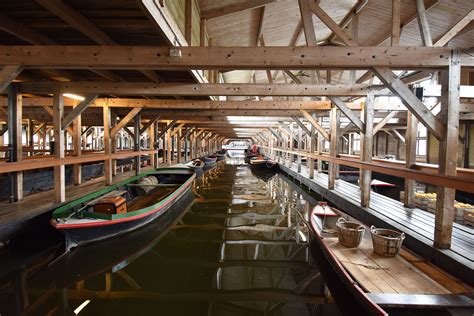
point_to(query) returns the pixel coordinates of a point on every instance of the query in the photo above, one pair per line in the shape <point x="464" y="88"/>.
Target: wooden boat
<point x="195" y="164"/>
<point x="220" y="157"/>
<point x="209" y="160"/>
<point x="262" y="162"/>
<point x="375" y="282"/>
<point x="123" y="207"/>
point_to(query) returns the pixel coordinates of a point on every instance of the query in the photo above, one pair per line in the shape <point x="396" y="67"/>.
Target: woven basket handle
<point x="373" y="229"/>
<point x="361" y="229"/>
<point x="341" y="220"/>
<point x="402" y="236"/>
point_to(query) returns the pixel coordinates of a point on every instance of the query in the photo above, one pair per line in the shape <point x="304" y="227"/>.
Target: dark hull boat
<point x="375" y="282"/>
<point x="196" y="164"/>
<point x="220" y="157"/>
<point x="123" y="207"/>
<point x="263" y="163"/>
<point x="209" y="160"/>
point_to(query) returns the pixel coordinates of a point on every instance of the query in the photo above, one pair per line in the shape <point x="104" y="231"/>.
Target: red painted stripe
<point x="125" y="219"/>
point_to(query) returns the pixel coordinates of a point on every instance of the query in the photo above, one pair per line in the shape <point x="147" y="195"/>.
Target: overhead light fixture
<point x="74" y="96"/>
<point x="175" y="51"/>
<point x="81" y="307"/>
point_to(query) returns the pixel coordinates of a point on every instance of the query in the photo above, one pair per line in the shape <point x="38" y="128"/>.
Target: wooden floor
<point x="417" y="224"/>
<point x="12" y="215"/>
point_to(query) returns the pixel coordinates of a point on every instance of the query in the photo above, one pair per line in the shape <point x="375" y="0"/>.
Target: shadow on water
<point x="238" y="246"/>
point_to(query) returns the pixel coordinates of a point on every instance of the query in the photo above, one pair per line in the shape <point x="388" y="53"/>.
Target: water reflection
<point x="237" y="247"/>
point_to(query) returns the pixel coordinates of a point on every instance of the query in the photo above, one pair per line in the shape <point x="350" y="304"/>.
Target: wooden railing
<point x="426" y="174"/>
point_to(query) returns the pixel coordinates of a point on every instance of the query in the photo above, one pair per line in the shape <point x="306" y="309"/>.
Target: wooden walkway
<point x="417" y="224"/>
<point x="14" y="217"/>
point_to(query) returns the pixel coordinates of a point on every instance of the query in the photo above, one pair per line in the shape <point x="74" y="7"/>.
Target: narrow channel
<point x="236" y="245"/>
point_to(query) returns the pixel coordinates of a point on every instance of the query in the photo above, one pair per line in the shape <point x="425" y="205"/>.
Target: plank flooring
<point x="416" y="223"/>
<point x="39" y="203"/>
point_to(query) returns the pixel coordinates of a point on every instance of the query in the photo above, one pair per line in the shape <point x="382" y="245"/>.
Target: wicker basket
<point x="350" y="233"/>
<point x="386" y="242"/>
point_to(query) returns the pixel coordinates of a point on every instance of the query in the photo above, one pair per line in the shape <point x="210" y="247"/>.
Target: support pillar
<point x="151" y="134"/>
<point x="312" y="145"/>
<point x="59" y="171"/>
<point x="366" y="150"/>
<point x="168" y="147"/>
<point x="178" y="145"/>
<point x="14" y="138"/>
<point x="137" y="143"/>
<point x="410" y="151"/>
<point x="448" y="151"/>
<point x="77" y="149"/>
<point x="107" y="145"/>
<point x="335" y="119"/>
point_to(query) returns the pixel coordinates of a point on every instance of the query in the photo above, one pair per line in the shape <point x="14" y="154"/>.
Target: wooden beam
<point x="397" y="133"/>
<point x="8" y="74"/>
<point x="148" y="124"/>
<point x="410" y="158"/>
<point x="186" y="89"/>
<point x="20" y="30"/>
<point x="15" y="132"/>
<point x="395" y="38"/>
<point x="455" y="30"/>
<point x="277" y="57"/>
<point x="292" y="76"/>
<point x="188" y="20"/>
<point x="176" y="129"/>
<point x="234" y="8"/>
<point x="78" y="109"/>
<point x="348" y="113"/>
<point x="167" y="127"/>
<point x="448" y="153"/>
<point x="366" y="150"/>
<point x="77" y="149"/>
<point x="417" y="107"/>
<point x="348" y="127"/>
<point x="423" y="23"/>
<point x="335" y="121"/>
<point x="202" y="32"/>
<point x="124" y="121"/>
<point x="108" y="144"/>
<point x="76" y="20"/>
<point x="333" y="26"/>
<point x="308" y="26"/>
<point x="261" y="19"/>
<point x="382" y="123"/>
<point x="50" y="111"/>
<point x="59" y="171"/>
<point x="316" y="125"/>
<point x="302" y="126"/>
<point x="276" y="134"/>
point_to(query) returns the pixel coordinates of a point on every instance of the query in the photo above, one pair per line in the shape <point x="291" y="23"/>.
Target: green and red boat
<point x="122" y="207"/>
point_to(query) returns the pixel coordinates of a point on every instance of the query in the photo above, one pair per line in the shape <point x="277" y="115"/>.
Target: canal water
<point x="237" y="245"/>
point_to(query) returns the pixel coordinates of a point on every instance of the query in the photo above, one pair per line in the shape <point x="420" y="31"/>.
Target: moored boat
<point x="195" y="164"/>
<point x="377" y="282"/>
<point x="220" y="157"/>
<point x="123" y="207"/>
<point x="262" y="162"/>
<point x="209" y="160"/>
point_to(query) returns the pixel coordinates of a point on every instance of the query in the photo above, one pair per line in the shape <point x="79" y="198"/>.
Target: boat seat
<point x="113" y="193"/>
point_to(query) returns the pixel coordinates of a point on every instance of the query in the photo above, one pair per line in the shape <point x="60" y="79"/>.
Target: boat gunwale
<point x="140" y="213"/>
<point x="351" y="284"/>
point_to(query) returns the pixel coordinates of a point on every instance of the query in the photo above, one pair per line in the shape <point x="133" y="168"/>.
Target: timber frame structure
<point x="171" y="80"/>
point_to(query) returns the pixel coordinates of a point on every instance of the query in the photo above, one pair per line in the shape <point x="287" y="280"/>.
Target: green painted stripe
<point x="66" y="209"/>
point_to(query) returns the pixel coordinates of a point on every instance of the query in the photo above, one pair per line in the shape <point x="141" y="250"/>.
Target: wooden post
<point x="113" y="140"/>
<point x="292" y="144"/>
<point x="107" y="145"/>
<point x="448" y="151"/>
<point x="14" y="138"/>
<point x="395" y="38"/>
<point x="188" y="21"/>
<point x="410" y="152"/>
<point x="30" y="136"/>
<point x="156" y="144"/>
<point x="59" y="171"/>
<point x="77" y="148"/>
<point x="151" y="134"/>
<point x="312" y="145"/>
<point x="319" y="147"/>
<point x="138" y="161"/>
<point x="168" y="147"/>
<point x="178" y="145"/>
<point x="335" y="119"/>
<point x="367" y="148"/>
<point x="300" y="144"/>
<point x="186" y="145"/>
